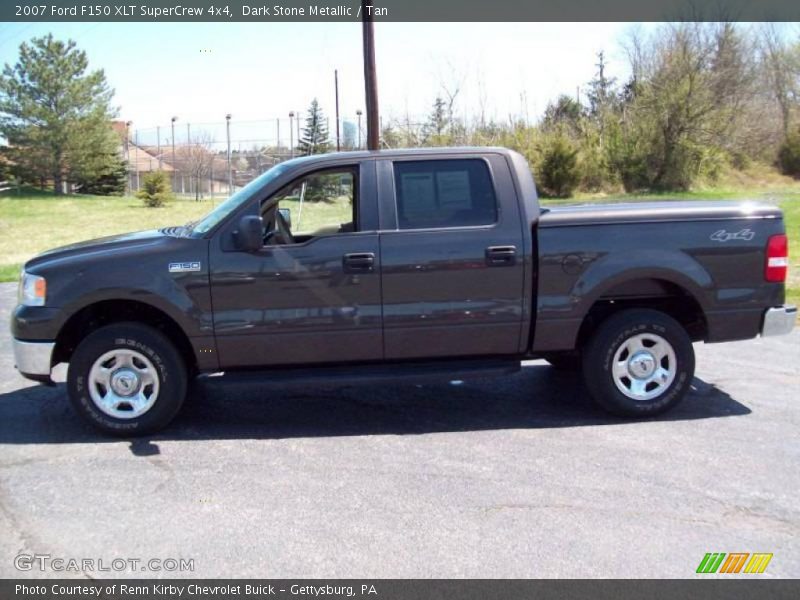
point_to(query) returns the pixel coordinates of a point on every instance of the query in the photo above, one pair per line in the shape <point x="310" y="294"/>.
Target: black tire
<point x="568" y="361"/>
<point x="153" y="345"/>
<point x="622" y="328"/>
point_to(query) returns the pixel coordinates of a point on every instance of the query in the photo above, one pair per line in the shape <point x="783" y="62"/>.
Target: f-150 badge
<point x="184" y="267"/>
<point x="725" y="236"/>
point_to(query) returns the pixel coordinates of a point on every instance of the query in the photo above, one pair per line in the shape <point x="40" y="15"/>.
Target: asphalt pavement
<point x="516" y="477"/>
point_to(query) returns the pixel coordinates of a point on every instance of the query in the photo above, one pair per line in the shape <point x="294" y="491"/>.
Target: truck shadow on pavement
<point x="538" y="397"/>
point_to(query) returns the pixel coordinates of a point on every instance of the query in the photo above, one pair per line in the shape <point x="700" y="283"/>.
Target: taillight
<point x="777" y="259"/>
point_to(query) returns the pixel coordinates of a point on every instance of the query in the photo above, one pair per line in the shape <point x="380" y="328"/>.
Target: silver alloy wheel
<point x="123" y="383"/>
<point x="644" y="366"/>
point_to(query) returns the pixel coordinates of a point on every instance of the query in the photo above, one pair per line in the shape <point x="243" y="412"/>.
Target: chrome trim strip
<point x="779" y="320"/>
<point x="33" y="358"/>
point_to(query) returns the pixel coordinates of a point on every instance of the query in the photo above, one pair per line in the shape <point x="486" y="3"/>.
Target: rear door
<point x="452" y="257"/>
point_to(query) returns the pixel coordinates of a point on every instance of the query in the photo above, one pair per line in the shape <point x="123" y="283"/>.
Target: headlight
<point x="32" y="290"/>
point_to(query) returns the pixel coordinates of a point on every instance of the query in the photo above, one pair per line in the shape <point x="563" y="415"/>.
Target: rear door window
<point x="444" y="193"/>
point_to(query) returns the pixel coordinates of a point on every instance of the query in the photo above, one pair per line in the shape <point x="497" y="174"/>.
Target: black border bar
<point x="728" y="588"/>
<point x="265" y="11"/>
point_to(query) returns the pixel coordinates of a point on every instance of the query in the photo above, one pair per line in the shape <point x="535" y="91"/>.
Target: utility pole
<point x="136" y="154"/>
<point x="128" y="153"/>
<point x="158" y="146"/>
<point x="230" y="168"/>
<point x="291" y="134"/>
<point x="336" y="85"/>
<point x="359" y="113"/>
<point x="370" y="77"/>
<point x="174" y="165"/>
<point x="188" y="154"/>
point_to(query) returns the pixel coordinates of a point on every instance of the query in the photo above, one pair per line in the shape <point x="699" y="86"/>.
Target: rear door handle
<point x="501" y="256"/>
<point x="358" y="262"/>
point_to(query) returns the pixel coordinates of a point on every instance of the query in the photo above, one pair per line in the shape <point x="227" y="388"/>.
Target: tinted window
<point x="444" y="193"/>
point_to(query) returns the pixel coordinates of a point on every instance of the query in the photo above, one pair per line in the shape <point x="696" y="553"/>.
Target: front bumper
<point x="779" y="320"/>
<point x="34" y="359"/>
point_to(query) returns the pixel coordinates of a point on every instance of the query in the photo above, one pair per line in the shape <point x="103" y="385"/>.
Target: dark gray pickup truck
<point x="411" y="265"/>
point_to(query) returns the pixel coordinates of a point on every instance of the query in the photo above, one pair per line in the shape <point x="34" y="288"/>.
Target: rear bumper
<point x="34" y="359"/>
<point x="778" y="320"/>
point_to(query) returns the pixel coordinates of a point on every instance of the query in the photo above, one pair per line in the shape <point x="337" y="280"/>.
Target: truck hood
<point x="648" y="212"/>
<point x="104" y="245"/>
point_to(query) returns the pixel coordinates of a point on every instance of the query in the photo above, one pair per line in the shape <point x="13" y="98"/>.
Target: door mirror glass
<point x="286" y="213"/>
<point x="249" y="235"/>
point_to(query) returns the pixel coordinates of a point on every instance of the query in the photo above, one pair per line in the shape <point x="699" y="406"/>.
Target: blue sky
<point x="259" y="71"/>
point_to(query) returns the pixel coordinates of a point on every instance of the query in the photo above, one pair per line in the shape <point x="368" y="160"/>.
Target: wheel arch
<point x="665" y="293"/>
<point x="105" y="312"/>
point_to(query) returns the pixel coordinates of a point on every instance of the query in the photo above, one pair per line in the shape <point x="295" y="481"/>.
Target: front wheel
<point x="638" y="363"/>
<point x="127" y="379"/>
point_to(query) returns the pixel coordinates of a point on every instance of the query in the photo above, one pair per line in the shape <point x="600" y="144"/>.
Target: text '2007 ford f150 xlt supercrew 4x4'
<point x="412" y="264"/>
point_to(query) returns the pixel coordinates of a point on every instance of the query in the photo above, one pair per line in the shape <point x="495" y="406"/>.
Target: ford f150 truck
<point x="408" y="264"/>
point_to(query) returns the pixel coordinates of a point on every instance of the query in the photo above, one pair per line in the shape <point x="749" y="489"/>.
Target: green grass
<point x="318" y="215"/>
<point x="32" y="222"/>
<point x="791" y="216"/>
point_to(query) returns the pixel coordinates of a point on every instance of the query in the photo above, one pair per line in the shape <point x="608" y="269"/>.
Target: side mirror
<point x="286" y="213"/>
<point x="249" y="236"/>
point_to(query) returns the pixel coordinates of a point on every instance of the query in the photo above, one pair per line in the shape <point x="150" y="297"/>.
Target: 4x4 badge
<point x="184" y="267"/>
<point x="724" y="236"/>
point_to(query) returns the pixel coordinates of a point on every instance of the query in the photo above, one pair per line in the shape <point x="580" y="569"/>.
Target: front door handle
<point x="358" y="262"/>
<point x="501" y="256"/>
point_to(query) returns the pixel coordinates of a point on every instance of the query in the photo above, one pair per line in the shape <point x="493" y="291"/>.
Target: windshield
<point x="210" y="221"/>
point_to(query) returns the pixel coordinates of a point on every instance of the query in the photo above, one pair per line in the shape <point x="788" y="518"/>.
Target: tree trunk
<point x="58" y="176"/>
<point x="58" y="183"/>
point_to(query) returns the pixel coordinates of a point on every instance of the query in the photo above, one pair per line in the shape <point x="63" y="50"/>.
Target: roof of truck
<point x="392" y="152"/>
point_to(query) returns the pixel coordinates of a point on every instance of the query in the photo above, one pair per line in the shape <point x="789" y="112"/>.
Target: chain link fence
<point x="217" y="158"/>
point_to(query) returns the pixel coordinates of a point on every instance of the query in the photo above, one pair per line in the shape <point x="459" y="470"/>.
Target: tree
<point x="558" y="173"/>
<point x="108" y="178"/>
<point x="156" y="189"/>
<point x="563" y="112"/>
<point x="55" y="115"/>
<point x="438" y="121"/>
<point x="684" y="106"/>
<point x="783" y="71"/>
<point x="601" y="88"/>
<point x="390" y="138"/>
<point x="789" y="155"/>
<point x="198" y="159"/>
<point x="314" y="137"/>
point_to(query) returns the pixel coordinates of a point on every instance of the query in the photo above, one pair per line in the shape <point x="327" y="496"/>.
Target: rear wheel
<point x="639" y="362"/>
<point x="127" y="379"/>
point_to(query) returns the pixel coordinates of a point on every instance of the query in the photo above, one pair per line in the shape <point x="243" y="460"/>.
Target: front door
<point x="312" y="293"/>
<point x="453" y="268"/>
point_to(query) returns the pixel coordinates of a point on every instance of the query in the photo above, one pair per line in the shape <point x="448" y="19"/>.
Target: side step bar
<point x="417" y="373"/>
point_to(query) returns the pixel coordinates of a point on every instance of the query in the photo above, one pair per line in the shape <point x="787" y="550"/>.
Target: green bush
<point x="558" y="169"/>
<point x="156" y="190"/>
<point x="789" y="155"/>
<point x="592" y="163"/>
